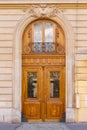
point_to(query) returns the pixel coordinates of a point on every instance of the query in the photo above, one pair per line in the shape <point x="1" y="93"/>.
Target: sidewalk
<point x="77" y="126"/>
<point x="44" y="126"/>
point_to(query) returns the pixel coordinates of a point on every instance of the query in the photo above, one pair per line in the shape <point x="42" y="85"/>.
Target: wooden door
<point x="43" y="54"/>
<point x="32" y="92"/>
<point x="55" y="92"/>
<point x="43" y="92"/>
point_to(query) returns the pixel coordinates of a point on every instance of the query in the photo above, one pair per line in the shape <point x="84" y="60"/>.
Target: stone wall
<point x="78" y="20"/>
<point x="10" y="17"/>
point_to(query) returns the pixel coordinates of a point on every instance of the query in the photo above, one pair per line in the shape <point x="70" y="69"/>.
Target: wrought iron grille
<point x="44" y="47"/>
<point x="40" y="47"/>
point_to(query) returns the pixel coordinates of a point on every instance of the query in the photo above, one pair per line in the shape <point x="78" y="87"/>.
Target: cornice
<point x="41" y="1"/>
<point x="60" y="5"/>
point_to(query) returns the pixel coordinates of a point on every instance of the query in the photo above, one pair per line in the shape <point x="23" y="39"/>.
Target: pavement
<point x="44" y="126"/>
<point x="77" y="126"/>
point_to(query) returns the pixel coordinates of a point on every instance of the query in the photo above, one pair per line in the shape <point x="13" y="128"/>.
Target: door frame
<point x="17" y="84"/>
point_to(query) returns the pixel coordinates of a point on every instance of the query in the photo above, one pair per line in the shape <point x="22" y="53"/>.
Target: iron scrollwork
<point x="44" y="47"/>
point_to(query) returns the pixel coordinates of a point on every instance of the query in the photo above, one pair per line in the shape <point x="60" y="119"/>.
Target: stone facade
<point x="14" y="17"/>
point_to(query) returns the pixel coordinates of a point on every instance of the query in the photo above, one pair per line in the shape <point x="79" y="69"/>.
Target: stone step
<point x="43" y="126"/>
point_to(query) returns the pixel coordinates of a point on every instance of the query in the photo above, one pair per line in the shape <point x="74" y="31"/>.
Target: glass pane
<point x="38" y="37"/>
<point x="48" y="32"/>
<point x="54" y="84"/>
<point x="32" y="85"/>
<point x="49" y="46"/>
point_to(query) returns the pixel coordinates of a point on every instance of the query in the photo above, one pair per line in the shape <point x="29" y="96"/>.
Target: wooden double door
<point x="43" y="93"/>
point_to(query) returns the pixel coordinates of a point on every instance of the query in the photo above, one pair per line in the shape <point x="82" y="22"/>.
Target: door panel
<point x="43" y="92"/>
<point x="54" y="110"/>
<point x="32" y="110"/>
<point x="55" y="98"/>
<point x="32" y="92"/>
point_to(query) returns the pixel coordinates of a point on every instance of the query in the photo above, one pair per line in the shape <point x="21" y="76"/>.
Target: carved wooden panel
<point x="32" y="110"/>
<point x="60" y="40"/>
<point x="54" y="110"/>
<point x="43" y="60"/>
<point x="27" y="39"/>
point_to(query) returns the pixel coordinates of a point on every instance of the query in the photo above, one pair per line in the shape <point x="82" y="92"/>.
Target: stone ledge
<point x="40" y="1"/>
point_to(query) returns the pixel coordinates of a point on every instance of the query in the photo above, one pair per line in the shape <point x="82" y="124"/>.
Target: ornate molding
<point x="43" y="11"/>
<point x="43" y="59"/>
<point x="27" y="49"/>
<point x="60" y="49"/>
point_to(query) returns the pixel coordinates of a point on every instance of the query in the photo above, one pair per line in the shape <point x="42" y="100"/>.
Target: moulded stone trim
<point x="40" y="1"/>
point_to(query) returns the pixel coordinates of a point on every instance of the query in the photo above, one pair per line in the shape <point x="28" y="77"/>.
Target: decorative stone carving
<point x="43" y="11"/>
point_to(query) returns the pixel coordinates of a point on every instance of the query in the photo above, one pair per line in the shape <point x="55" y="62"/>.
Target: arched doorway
<point x="43" y="55"/>
<point x="17" y="83"/>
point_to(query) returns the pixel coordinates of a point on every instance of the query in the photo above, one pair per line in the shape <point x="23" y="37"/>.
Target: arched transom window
<point x="43" y="36"/>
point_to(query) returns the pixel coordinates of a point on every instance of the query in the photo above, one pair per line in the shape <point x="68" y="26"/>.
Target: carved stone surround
<point x="55" y="15"/>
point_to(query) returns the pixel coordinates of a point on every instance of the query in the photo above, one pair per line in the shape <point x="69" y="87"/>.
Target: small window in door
<point x="32" y="85"/>
<point x="54" y="84"/>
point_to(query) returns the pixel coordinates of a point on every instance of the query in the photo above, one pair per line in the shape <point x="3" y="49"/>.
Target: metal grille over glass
<point x="54" y="84"/>
<point x="32" y="85"/>
<point x="43" y="38"/>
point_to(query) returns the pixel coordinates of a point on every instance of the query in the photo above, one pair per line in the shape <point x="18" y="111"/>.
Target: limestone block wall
<point x="10" y="17"/>
<point x="78" y="19"/>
